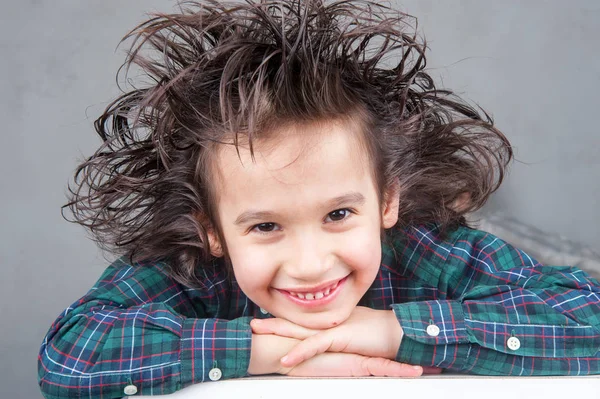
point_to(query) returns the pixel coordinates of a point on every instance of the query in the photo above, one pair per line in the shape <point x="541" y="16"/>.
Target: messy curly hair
<point x="215" y="70"/>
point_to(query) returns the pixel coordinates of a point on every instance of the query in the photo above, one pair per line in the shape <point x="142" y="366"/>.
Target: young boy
<point x="289" y="195"/>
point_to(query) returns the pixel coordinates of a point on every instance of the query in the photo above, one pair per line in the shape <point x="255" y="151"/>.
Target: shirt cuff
<point x="434" y="334"/>
<point x="214" y="344"/>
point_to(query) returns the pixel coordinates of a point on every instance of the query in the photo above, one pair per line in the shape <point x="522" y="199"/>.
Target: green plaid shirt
<point x="468" y="303"/>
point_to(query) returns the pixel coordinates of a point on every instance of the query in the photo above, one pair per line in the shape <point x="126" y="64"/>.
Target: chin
<point x="321" y="321"/>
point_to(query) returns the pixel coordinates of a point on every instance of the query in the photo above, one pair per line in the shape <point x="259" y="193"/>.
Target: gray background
<point x="534" y="64"/>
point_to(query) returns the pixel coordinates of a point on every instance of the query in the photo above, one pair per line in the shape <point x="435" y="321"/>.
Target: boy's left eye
<point x="338" y="215"/>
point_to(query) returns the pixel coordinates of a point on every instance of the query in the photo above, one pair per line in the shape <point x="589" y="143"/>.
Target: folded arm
<point x="502" y="313"/>
<point x="126" y="333"/>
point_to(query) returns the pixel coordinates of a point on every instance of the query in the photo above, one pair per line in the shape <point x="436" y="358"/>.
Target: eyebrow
<point x="352" y="198"/>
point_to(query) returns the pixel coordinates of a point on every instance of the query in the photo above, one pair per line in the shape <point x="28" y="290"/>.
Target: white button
<point x="513" y="343"/>
<point x="433" y="330"/>
<point x="130" y="390"/>
<point x="215" y="374"/>
<point x="263" y="311"/>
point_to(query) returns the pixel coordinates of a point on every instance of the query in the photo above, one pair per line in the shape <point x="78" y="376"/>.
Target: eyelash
<point x="349" y="211"/>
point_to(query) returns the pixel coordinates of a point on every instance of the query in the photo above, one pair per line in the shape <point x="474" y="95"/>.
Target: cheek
<point x="362" y="252"/>
<point x="254" y="269"/>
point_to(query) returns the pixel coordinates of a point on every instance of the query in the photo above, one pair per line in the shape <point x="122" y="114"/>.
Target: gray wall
<point x="535" y="65"/>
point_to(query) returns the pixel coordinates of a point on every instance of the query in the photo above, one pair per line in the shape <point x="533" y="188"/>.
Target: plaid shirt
<point x="468" y="303"/>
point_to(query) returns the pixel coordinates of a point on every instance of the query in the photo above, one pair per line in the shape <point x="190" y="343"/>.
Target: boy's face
<point x="302" y="222"/>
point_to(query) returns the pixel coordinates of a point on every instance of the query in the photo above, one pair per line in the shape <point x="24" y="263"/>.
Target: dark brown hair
<point x="217" y="70"/>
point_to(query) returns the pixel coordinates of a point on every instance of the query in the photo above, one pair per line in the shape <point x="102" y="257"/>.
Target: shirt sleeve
<point x="500" y="312"/>
<point x="126" y="336"/>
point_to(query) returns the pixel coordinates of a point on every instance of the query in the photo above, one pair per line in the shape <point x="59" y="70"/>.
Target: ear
<point x="389" y="209"/>
<point x="462" y="202"/>
<point x="214" y="243"/>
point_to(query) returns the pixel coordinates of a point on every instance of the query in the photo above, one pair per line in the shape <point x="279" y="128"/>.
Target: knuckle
<point x="365" y="366"/>
<point x="387" y="367"/>
<point x="316" y="345"/>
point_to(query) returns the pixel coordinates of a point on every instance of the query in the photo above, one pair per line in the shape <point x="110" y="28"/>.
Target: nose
<point x="310" y="257"/>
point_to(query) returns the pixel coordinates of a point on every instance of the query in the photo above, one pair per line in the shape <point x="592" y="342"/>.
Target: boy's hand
<point x="331" y="364"/>
<point x="368" y="332"/>
<point x="268" y="349"/>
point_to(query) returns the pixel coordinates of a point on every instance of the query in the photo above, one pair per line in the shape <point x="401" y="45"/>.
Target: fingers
<point x="311" y="347"/>
<point x="352" y="365"/>
<point x="378" y="366"/>
<point x="280" y="327"/>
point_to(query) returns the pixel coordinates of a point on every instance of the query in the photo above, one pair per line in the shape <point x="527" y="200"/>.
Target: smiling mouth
<point x="322" y="296"/>
<point x="317" y="294"/>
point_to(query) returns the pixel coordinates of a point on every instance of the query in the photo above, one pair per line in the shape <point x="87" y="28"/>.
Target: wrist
<point x="395" y="334"/>
<point x="266" y="353"/>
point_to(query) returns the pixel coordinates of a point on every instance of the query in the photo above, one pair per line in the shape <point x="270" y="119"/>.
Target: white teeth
<point x="316" y="295"/>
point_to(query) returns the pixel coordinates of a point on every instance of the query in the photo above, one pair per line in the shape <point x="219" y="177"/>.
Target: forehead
<point x="322" y="158"/>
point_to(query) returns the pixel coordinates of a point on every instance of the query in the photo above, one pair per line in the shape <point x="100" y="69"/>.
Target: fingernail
<point x="255" y="321"/>
<point x="284" y="359"/>
<point x="417" y="367"/>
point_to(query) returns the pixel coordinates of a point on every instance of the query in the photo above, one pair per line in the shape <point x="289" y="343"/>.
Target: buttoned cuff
<point x="213" y="349"/>
<point x="434" y="334"/>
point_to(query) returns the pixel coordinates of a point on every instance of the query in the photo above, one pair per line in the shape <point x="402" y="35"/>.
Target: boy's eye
<point x="338" y="215"/>
<point x="265" y="227"/>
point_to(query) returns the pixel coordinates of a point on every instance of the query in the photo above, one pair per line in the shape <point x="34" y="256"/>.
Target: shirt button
<point x="130" y="390"/>
<point x="433" y="330"/>
<point x="513" y="343"/>
<point x="215" y="374"/>
<point x="263" y="311"/>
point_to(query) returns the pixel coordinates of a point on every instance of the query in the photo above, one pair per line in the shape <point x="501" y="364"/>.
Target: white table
<point x="429" y="387"/>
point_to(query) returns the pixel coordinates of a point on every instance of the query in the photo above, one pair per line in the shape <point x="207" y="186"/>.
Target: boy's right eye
<point x="265" y="227"/>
